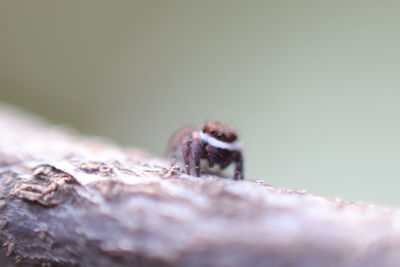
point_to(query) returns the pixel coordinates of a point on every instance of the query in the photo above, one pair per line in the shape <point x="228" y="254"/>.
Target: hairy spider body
<point x="215" y="142"/>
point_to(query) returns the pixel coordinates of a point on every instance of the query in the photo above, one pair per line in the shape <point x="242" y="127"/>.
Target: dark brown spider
<point x="216" y="142"/>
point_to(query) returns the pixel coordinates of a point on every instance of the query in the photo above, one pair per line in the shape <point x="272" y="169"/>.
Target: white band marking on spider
<point x="218" y="143"/>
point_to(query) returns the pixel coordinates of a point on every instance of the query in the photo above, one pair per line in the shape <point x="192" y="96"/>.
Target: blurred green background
<point x="312" y="86"/>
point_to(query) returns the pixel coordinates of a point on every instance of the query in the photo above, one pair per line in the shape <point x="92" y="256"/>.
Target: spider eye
<point x="212" y="132"/>
<point x="220" y="134"/>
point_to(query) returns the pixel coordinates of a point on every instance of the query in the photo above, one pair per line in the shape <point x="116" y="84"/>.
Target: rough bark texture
<point x="69" y="200"/>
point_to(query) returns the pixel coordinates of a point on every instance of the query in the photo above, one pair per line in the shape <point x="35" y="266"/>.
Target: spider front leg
<point x="196" y="152"/>
<point x="187" y="144"/>
<point x="239" y="166"/>
<point x="212" y="159"/>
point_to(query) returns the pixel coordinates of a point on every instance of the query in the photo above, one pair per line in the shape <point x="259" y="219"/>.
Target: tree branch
<point x="70" y="200"/>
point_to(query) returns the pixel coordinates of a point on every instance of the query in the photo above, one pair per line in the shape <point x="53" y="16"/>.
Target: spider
<point x="215" y="142"/>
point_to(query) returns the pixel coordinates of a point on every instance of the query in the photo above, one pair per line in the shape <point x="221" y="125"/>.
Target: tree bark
<point x="72" y="200"/>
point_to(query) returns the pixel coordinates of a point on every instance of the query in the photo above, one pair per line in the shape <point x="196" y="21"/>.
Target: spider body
<point x="215" y="142"/>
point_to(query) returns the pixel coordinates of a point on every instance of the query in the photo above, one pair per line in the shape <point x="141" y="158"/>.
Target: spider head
<point x="220" y="131"/>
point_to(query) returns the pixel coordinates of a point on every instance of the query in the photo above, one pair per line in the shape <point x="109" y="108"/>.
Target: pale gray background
<point x="312" y="86"/>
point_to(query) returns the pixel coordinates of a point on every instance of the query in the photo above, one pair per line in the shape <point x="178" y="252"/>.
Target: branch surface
<point x="72" y="200"/>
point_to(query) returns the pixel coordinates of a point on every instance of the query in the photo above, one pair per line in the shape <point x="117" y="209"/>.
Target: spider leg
<point x="196" y="152"/>
<point x="239" y="166"/>
<point x="187" y="144"/>
<point x="211" y="156"/>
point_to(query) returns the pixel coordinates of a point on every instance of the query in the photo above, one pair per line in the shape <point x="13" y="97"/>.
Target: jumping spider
<point x="215" y="142"/>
